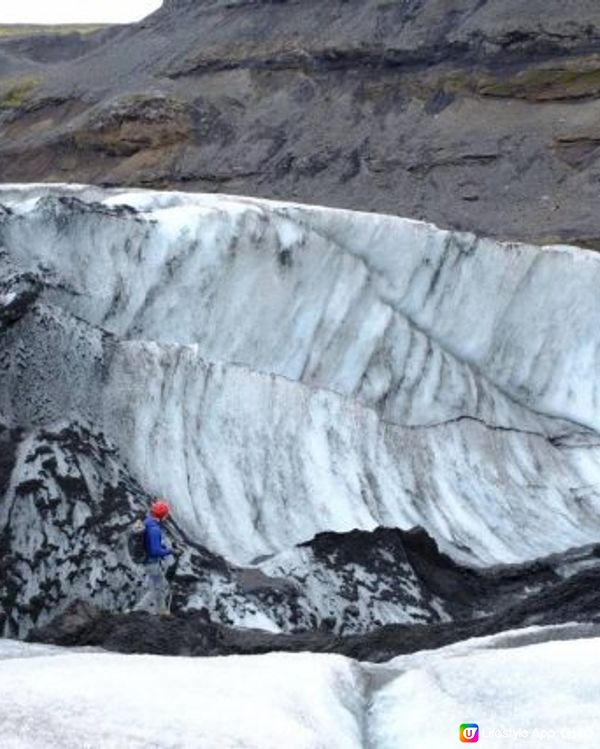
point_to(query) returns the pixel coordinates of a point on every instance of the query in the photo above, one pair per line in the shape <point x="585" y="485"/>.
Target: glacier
<point x="55" y="697"/>
<point x="278" y="371"/>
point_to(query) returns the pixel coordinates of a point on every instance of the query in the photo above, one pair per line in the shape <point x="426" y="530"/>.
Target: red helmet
<point x="160" y="509"/>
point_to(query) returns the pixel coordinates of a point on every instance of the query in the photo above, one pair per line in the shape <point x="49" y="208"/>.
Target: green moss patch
<point x="546" y="83"/>
<point x="15" y="92"/>
<point x="20" y="30"/>
<point x="571" y="79"/>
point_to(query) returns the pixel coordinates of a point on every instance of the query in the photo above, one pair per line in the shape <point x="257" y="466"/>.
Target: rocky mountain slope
<point x="479" y="115"/>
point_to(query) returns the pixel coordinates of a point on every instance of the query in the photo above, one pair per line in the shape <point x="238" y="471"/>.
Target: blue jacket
<point x="155" y="548"/>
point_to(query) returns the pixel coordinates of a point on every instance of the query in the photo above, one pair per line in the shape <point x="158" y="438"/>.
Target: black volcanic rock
<point x="576" y="600"/>
<point x="474" y="115"/>
<point x="186" y="634"/>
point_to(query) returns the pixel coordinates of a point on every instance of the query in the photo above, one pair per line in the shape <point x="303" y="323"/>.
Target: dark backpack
<point x="136" y="542"/>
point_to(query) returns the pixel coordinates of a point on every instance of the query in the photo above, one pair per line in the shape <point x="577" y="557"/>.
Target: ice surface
<point x="543" y="695"/>
<point x="546" y="694"/>
<point x="97" y="701"/>
<point x="6" y="299"/>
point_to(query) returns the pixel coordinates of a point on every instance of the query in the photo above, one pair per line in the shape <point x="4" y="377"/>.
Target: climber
<point x="158" y="594"/>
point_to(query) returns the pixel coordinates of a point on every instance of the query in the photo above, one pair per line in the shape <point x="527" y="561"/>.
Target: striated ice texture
<point x="277" y="370"/>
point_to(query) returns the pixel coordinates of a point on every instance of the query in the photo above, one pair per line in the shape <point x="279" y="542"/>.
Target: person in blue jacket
<point x="157" y="596"/>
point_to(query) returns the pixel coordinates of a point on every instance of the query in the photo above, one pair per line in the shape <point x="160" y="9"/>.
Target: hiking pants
<point x="157" y="588"/>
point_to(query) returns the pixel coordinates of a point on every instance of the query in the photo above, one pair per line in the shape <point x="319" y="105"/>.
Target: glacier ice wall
<point x="278" y="370"/>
